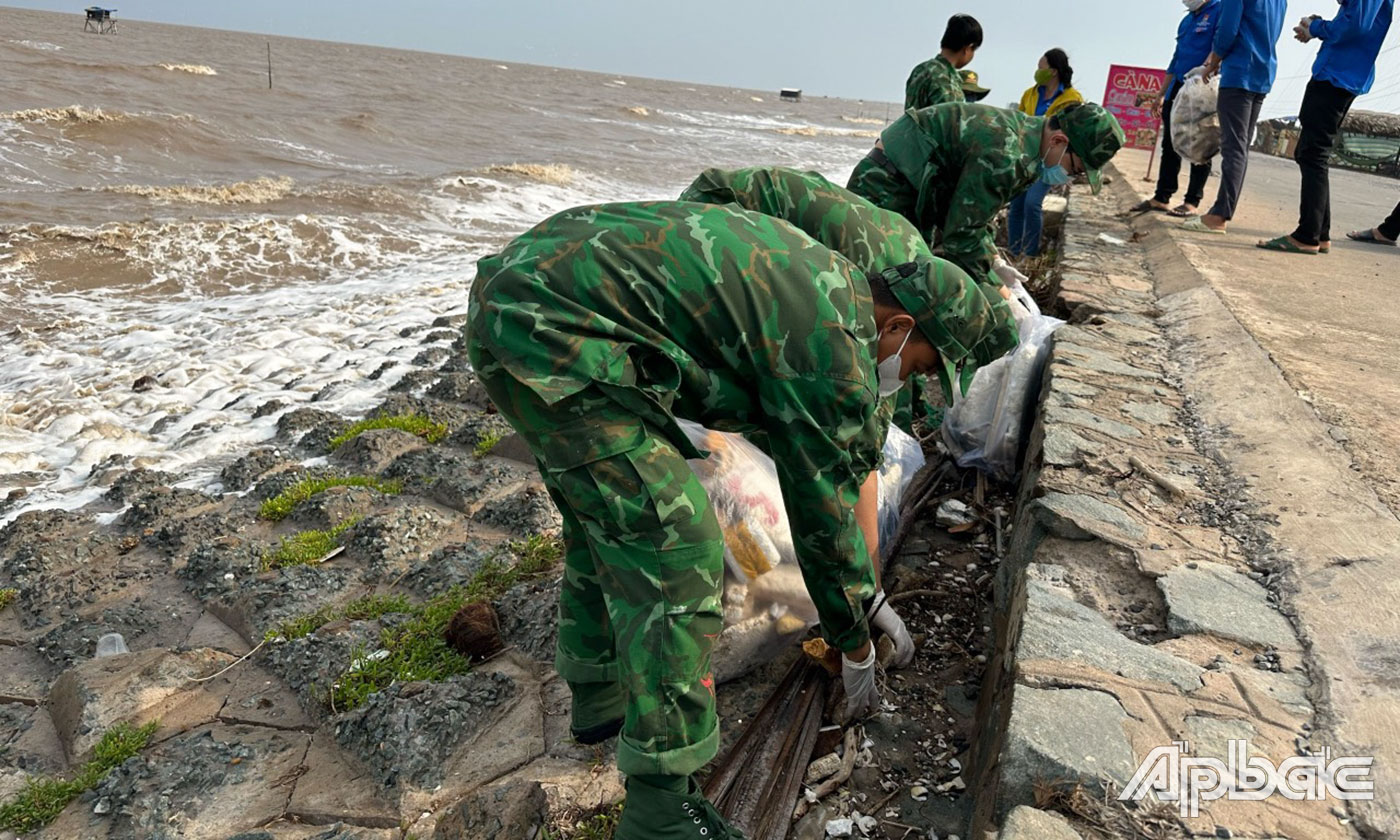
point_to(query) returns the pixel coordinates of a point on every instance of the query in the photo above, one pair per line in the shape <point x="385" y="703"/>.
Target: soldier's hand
<point x="858" y="677"/>
<point x="1008" y="274"/>
<point x="887" y="620"/>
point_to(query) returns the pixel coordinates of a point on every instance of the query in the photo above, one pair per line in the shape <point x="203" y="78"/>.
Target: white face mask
<point x="1193" y="5"/>
<point x="889" y="369"/>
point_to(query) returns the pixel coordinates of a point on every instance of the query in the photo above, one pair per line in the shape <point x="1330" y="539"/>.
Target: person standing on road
<point x="1052" y="92"/>
<point x="1387" y="233"/>
<point x="937" y="81"/>
<point x="1194" y="38"/>
<point x="1344" y="69"/>
<point x="1244" y="54"/>
<point x="595" y="331"/>
<point x="950" y="169"/>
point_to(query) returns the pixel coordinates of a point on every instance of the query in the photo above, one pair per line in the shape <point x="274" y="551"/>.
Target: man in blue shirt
<point x="1193" y="44"/>
<point x="1344" y="69"/>
<point x="1243" y="54"/>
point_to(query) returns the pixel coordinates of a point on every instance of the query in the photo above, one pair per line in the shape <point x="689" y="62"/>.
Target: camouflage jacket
<point x="967" y="161"/>
<point x="733" y="319"/>
<point x="934" y="82"/>
<point x="871" y="237"/>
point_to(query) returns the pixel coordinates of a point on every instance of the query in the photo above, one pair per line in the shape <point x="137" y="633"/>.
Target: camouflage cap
<point x="967" y="325"/>
<point x="972" y="91"/>
<point x="1094" y="137"/>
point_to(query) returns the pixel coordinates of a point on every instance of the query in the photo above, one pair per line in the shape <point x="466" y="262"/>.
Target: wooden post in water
<point x="269" y="65"/>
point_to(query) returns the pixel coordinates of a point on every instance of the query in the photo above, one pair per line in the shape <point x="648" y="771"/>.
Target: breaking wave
<point x="256" y="191"/>
<point x="863" y="120"/>
<point x="557" y="174"/>
<point x="813" y="131"/>
<point x="72" y="115"/>
<point x="196" y="69"/>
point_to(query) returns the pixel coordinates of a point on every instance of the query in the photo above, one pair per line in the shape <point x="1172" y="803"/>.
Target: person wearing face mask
<point x="950" y="169"/>
<point x="1193" y="43"/>
<point x="871" y="237"/>
<point x="937" y="81"/>
<point x="1052" y="92"/>
<point x="599" y="328"/>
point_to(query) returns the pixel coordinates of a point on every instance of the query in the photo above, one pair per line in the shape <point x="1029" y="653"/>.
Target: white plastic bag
<point x="766" y="605"/>
<point x="984" y="428"/>
<point x="1195" y="121"/>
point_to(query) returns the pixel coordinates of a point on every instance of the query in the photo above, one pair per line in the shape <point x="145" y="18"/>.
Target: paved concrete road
<point x="1330" y="322"/>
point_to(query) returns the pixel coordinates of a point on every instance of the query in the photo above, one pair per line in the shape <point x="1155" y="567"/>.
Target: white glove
<point x="1008" y="274"/>
<point x="888" y="621"/>
<point x="862" y="695"/>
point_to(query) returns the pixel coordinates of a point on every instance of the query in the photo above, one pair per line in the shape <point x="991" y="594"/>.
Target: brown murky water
<point x="167" y="215"/>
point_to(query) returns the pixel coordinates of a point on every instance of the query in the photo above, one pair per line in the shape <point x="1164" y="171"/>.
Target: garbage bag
<point x="984" y="428"/>
<point x="1195" y="123"/>
<point x="766" y="605"/>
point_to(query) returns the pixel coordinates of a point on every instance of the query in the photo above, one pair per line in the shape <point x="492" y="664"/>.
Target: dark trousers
<point x="1390" y="228"/>
<point x="1320" y="119"/>
<point x="1239" y="111"/>
<point x="1170" y="170"/>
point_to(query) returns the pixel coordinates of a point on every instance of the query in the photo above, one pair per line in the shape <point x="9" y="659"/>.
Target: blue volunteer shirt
<point x="1350" y="43"/>
<point x="1194" y="38"/>
<point x="1245" y="40"/>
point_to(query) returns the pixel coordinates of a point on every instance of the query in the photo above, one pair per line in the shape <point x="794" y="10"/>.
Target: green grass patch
<point x="487" y="443"/>
<point x="44" y="798"/>
<point x="361" y="609"/>
<point x="429" y="430"/>
<point x="7" y="597"/>
<point x="279" y="506"/>
<point x="598" y="826"/>
<point x="415" y="649"/>
<point x="307" y="547"/>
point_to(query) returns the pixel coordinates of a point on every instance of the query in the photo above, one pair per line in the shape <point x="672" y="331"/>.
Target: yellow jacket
<point x="1029" y="99"/>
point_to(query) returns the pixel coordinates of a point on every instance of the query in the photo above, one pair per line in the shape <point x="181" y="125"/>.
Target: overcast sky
<point x="861" y="50"/>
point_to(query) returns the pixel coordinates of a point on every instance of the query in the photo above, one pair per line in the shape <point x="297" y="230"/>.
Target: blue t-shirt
<point x="1350" y="43"/>
<point x="1245" y="40"/>
<point x="1193" y="42"/>
<point x="1043" y="102"/>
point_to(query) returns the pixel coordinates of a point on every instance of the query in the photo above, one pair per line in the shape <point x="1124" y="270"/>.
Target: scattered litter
<point x="919" y="793"/>
<point x="111" y="644"/>
<point x="823" y="768"/>
<point x="953" y="513"/>
<point x="1109" y="239"/>
<point x="842" y="827"/>
<point x="864" y="823"/>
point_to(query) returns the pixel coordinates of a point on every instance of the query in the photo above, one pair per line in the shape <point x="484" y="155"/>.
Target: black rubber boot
<point x="651" y="813"/>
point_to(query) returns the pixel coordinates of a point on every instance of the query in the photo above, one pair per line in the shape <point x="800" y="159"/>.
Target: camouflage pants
<point x="874" y="182"/>
<point x="643" y="569"/>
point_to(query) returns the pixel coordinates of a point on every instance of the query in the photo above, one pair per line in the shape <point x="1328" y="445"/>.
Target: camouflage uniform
<point x="873" y="238"/>
<point x="934" y="82"/>
<point x="592" y="332"/>
<point x="951" y="168"/>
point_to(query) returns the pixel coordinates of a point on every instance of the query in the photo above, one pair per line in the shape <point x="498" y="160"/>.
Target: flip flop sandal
<point x="1195" y="224"/>
<point x="1368" y="237"/>
<point x="1181" y="211"/>
<point x="1324" y="249"/>
<point x="1283" y="244"/>
<point x="1146" y="206"/>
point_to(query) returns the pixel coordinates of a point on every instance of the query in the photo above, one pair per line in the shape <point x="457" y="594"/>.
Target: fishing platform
<point x="99" y="20"/>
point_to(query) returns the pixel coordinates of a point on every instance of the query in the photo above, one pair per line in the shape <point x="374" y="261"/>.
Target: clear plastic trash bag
<point x="984" y="428"/>
<point x="766" y="605"/>
<point x="1195" y="121"/>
